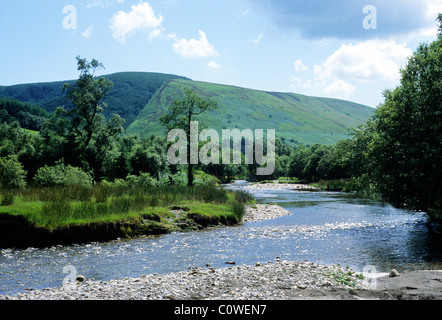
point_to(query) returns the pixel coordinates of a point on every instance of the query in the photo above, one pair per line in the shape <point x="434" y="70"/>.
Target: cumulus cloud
<point x="194" y="48"/>
<point x="339" y="89"/>
<point x="141" y="17"/>
<point x="372" y="60"/>
<point x="353" y="65"/>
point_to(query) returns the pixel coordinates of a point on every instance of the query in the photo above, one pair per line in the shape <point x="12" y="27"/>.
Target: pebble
<point x="281" y="280"/>
<point x="261" y="212"/>
<point x="394" y="273"/>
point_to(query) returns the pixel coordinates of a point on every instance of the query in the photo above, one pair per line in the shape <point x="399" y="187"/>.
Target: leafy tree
<point x="180" y="115"/>
<point x="12" y="174"/>
<point x="86" y="136"/>
<point x="62" y="175"/>
<point x="400" y="145"/>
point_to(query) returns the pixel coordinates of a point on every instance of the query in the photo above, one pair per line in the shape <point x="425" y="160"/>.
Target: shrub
<point x="62" y="175"/>
<point x="12" y="174"/>
<point x="7" y="199"/>
<point x="142" y="180"/>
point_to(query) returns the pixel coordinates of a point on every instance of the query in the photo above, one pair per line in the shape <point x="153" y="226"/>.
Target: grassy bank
<point x="123" y="210"/>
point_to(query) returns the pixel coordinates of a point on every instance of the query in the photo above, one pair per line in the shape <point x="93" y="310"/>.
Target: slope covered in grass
<point x="131" y="92"/>
<point x="296" y="118"/>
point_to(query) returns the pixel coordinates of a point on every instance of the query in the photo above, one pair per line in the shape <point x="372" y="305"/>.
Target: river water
<point x="323" y="227"/>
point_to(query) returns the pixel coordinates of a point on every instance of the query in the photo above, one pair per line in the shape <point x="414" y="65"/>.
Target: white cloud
<point x="155" y="33"/>
<point x="141" y="17"/>
<point x="299" y="66"/>
<point x="88" y="32"/>
<point x="373" y="60"/>
<point x="213" y="65"/>
<point x="193" y="48"/>
<point x="339" y="89"/>
<point x="258" y="40"/>
<point x="434" y="8"/>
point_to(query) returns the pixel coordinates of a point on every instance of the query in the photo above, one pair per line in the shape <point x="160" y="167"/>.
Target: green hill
<point x="131" y="92"/>
<point x="27" y="115"/>
<point x="296" y="118"/>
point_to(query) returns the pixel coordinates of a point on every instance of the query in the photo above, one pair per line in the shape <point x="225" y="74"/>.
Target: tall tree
<point x="402" y="142"/>
<point x="180" y="115"/>
<point x="84" y="127"/>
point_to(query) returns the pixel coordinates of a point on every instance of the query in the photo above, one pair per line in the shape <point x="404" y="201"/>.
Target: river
<point x="323" y="227"/>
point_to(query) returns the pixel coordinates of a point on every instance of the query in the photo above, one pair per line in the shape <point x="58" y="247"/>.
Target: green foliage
<point x="180" y="115"/>
<point x="7" y="199"/>
<point x="12" y="174"/>
<point x="398" y="151"/>
<point x="318" y="162"/>
<point x="82" y="135"/>
<point x="62" y="175"/>
<point x="27" y="115"/>
<point x="142" y="180"/>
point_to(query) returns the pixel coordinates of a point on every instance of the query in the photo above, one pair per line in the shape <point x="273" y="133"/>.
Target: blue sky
<point x="344" y="49"/>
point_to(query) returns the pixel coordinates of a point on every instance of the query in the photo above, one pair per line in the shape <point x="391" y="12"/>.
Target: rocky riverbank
<point x="276" y="280"/>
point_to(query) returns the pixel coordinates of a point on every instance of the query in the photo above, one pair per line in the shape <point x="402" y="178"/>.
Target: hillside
<point x="27" y="115"/>
<point x="131" y="92"/>
<point x="296" y="118"/>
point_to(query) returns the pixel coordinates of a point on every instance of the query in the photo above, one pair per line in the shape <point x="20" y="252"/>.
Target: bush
<point x="142" y="180"/>
<point x="7" y="199"/>
<point x="62" y="175"/>
<point x="12" y="174"/>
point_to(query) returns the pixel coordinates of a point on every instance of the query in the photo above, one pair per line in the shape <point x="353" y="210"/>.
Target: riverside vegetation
<point x="61" y="215"/>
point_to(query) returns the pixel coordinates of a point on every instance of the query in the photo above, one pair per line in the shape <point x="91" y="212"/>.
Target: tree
<point x="180" y="115"/>
<point x="86" y="134"/>
<point x="401" y="144"/>
<point x="12" y="174"/>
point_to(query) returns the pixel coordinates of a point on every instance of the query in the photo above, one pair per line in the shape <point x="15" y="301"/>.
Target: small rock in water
<point x="230" y="262"/>
<point x="394" y="273"/>
<point x="80" y="278"/>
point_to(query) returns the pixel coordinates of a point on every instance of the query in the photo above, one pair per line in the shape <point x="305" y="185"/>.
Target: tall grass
<point x="60" y="206"/>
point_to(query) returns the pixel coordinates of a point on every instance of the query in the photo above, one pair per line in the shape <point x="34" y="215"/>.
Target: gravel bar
<point x="276" y="280"/>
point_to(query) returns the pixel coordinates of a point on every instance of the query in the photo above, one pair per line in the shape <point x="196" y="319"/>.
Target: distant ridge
<point x="131" y="92"/>
<point x="296" y="118"/>
<point x="141" y="98"/>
